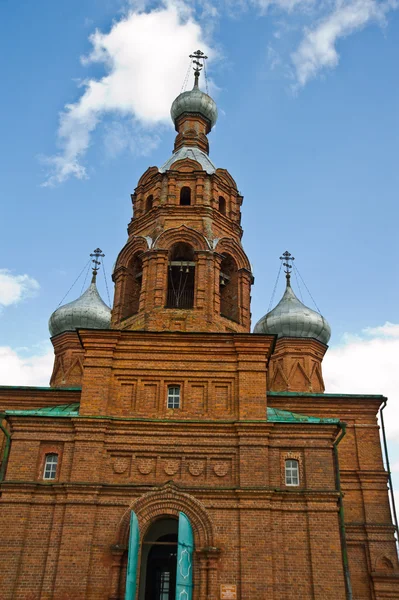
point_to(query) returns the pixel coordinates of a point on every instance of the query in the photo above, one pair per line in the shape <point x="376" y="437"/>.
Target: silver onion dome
<point x="89" y="311"/>
<point x="291" y="318"/>
<point x="194" y="101"/>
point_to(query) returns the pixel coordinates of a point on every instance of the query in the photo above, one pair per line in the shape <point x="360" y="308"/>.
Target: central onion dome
<point x="87" y="312"/>
<point x="291" y="318"/>
<point x="195" y="101"/>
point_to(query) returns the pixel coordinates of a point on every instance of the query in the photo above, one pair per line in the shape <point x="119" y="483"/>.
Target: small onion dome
<point x="291" y="318"/>
<point x="195" y="101"/>
<point x="87" y="312"/>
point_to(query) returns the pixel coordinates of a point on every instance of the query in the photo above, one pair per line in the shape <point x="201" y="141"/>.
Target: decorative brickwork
<point x="68" y="360"/>
<point x="295" y="366"/>
<point x="169" y="500"/>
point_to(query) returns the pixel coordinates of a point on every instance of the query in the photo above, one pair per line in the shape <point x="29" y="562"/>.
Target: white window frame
<point x="50" y="466"/>
<point x="174" y="396"/>
<point x="292" y="478"/>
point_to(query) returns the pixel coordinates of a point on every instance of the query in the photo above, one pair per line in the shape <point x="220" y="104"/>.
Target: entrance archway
<point x="166" y="503"/>
<point x="159" y="561"/>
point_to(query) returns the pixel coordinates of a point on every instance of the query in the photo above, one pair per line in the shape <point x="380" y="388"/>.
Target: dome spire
<point x="196" y="57"/>
<point x="98" y="253"/>
<point x="194" y="112"/>
<point x="288" y="266"/>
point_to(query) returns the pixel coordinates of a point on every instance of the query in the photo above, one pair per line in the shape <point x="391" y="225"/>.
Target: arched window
<point x="222" y="205"/>
<point x="50" y="466"/>
<point x="181" y="277"/>
<point x="149" y="203"/>
<point x="131" y="301"/>
<point x="229" y="288"/>
<point x="185" y="196"/>
<point x="291" y="472"/>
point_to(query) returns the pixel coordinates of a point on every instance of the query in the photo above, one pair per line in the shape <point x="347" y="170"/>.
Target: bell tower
<point x="183" y="267"/>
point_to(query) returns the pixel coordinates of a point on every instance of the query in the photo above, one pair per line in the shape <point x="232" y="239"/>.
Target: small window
<point x="185" y="196"/>
<point x="149" y="203"/>
<point x="222" y="205"/>
<point x="174" y="396"/>
<point x="50" y="466"/>
<point x="291" y="472"/>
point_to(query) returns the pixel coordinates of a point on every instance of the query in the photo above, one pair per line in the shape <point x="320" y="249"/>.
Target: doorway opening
<point x="159" y="561"/>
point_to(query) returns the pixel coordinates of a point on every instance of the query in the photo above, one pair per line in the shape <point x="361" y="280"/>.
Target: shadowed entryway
<point x="158" y="561"/>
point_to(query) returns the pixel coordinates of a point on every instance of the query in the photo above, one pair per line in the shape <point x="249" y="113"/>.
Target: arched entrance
<point x="195" y="527"/>
<point x="159" y="561"/>
<point x="166" y="560"/>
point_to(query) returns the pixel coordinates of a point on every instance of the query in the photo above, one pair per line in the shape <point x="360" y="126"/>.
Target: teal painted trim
<point x="184" y="567"/>
<point x="132" y="558"/>
<point x="40" y="389"/>
<point x="275" y="415"/>
<point x="62" y="410"/>
<point x="322" y="395"/>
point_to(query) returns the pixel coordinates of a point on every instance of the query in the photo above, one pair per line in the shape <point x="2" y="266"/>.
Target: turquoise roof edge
<point x="274" y="415"/>
<point x="62" y="410"/>
<point x="324" y="395"/>
<point x="40" y="389"/>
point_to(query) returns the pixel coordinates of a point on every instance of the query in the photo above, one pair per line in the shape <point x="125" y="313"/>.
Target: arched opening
<point x="149" y="203"/>
<point x="228" y="286"/>
<point x="159" y="561"/>
<point x="133" y="287"/>
<point x="222" y="205"/>
<point x="185" y="196"/>
<point x="181" y="277"/>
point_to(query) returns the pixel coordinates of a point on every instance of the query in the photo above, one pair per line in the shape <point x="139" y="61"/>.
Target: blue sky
<point x="308" y="126"/>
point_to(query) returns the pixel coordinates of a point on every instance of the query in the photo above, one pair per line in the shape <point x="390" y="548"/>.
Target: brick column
<point x="119" y="278"/>
<point x="117" y="554"/>
<point x="244" y="289"/>
<point x="251" y="368"/>
<point x="99" y="356"/>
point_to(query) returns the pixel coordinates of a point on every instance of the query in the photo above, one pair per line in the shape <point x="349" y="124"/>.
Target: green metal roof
<point x="62" y="410"/>
<point x="275" y="415"/>
<point x="323" y="395"/>
<point x="40" y="389"/>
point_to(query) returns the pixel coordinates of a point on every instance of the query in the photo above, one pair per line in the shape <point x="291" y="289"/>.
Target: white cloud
<point x="264" y="5"/>
<point x="17" y="368"/>
<point x="14" y="288"/>
<point x="284" y="5"/>
<point x="368" y="364"/>
<point x="121" y="135"/>
<point x="145" y="55"/>
<point x="318" y="47"/>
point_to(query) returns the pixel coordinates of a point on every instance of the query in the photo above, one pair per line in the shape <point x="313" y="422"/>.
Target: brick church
<point x="177" y="455"/>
